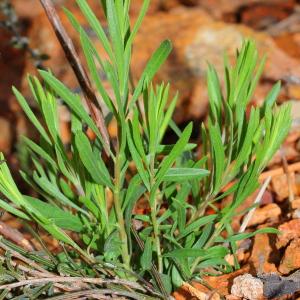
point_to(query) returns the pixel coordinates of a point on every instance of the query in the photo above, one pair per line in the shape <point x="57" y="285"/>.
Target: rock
<point x="231" y="297"/>
<point x="267" y="198"/>
<point x="281" y="187"/>
<point x="280" y="287"/>
<point x="296" y="214"/>
<point x="289" y="231"/>
<point x="248" y="287"/>
<point x="290" y="152"/>
<point x="220" y="9"/>
<point x="190" y="2"/>
<point x="269" y="212"/>
<point x="262" y="254"/>
<point x="222" y="284"/>
<point x="188" y="291"/>
<point x="295" y="203"/>
<point x="293" y="91"/>
<point x="291" y="258"/>
<point x="289" y="42"/>
<point x="6" y="136"/>
<point x="180" y="26"/>
<point x="261" y="15"/>
<point x="28" y="11"/>
<point x="196" y="38"/>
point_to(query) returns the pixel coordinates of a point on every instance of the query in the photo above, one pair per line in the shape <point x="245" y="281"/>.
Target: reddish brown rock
<point x="261" y="253"/>
<point x="295" y="203"/>
<point x="262" y="15"/>
<point x="222" y="8"/>
<point x="196" y="39"/>
<point x="269" y="212"/>
<point x="281" y="187"/>
<point x="30" y="10"/>
<point x="293" y="90"/>
<point x="289" y="231"/>
<point x="232" y="297"/>
<point x="289" y="42"/>
<point x="290" y="152"/>
<point x="199" y="292"/>
<point x="222" y="284"/>
<point x="291" y="258"/>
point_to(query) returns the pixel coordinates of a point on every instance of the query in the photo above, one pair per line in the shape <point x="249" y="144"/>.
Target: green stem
<point x="153" y="205"/>
<point x="156" y="235"/>
<point x="120" y="217"/>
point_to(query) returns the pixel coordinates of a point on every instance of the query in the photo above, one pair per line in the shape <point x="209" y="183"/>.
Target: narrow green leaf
<point x="175" y="152"/>
<point x="96" y="26"/>
<point x="216" y="251"/>
<point x="183" y="174"/>
<point x="72" y="100"/>
<point x="195" y="226"/>
<point x="146" y="258"/>
<point x="61" y="218"/>
<point x="98" y="174"/>
<point x="23" y="103"/>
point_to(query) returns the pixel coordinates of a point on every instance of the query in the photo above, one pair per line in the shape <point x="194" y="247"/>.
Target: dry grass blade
<point x="19" y="256"/>
<point x="59" y="279"/>
<point x="256" y="201"/>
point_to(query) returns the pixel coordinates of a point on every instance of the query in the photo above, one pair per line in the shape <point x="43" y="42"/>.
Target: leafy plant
<point x="176" y="241"/>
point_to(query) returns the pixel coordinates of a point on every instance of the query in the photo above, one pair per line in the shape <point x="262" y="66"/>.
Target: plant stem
<point x="156" y="237"/>
<point x="119" y="214"/>
<point x="153" y="205"/>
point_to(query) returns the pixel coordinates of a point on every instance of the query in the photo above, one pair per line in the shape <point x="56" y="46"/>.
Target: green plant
<point x="176" y="241"/>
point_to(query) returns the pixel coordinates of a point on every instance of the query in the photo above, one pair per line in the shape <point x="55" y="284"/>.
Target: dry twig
<point x="78" y="280"/>
<point x="256" y="201"/>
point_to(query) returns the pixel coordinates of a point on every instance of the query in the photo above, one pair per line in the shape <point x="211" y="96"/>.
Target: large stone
<point x="269" y="212"/>
<point x="288" y="232"/>
<point x="280" y="185"/>
<point x="291" y="258"/>
<point x="197" y="39"/>
<point x="222" y="8"/>
<point x="263" y="254"/>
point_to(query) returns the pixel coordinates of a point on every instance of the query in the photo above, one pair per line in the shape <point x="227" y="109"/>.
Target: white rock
<point x="248" y="287"/>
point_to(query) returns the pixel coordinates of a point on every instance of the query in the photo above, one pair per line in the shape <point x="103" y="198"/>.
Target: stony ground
<point x="200" y="31"/>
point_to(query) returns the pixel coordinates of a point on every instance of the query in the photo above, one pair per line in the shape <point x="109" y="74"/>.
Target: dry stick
<point x="36" y="274"/>
<point x="257" y="200"/>
<point x="24" y="259"/>
<point x="100" y="294"/>
<point x="15" y="235"/>
<point x="78" y="69"/>
<point x="57" y="279"/>
<point x="24" y="268"/>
